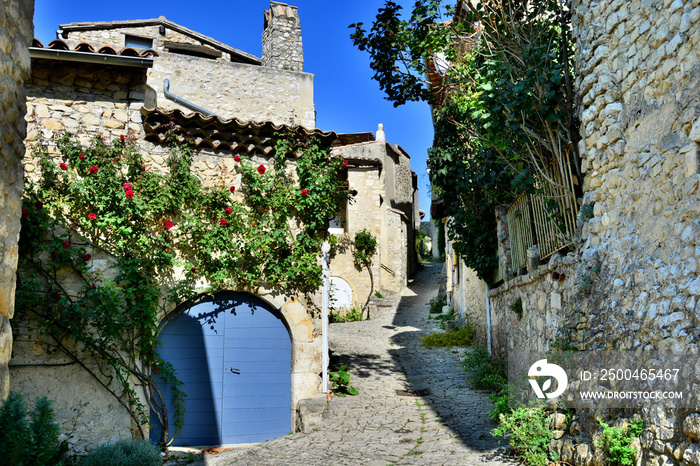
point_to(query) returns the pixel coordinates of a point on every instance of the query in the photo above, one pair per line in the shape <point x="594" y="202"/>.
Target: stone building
<point x="16" y="33"/>
<point x="630" y="282"/>
<point x="386" y="205"/>
<point x="142" y="77"/>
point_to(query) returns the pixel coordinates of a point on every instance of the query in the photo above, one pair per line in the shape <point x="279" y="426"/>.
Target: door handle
<point x="234" y="371"/>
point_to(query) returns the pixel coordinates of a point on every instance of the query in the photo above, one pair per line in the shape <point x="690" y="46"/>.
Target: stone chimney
<point x="282" y="47"/>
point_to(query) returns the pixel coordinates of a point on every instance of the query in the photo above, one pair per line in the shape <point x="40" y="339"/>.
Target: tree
<point x="499" y="74"/>
<point x="365" y="246"/>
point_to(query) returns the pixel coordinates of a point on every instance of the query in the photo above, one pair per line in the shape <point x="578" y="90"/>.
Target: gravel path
<point x="447" y="424"/>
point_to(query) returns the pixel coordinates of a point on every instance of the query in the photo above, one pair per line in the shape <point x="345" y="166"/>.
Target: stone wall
<point x="15" y="36"/>
<point x="246" y="92"/>
<point x="84" y="98"/>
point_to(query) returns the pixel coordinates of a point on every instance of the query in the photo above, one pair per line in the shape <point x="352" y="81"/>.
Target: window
<point x="138" y="42"/>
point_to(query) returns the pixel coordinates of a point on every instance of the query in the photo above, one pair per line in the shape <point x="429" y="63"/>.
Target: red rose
<point x="54" y="255"/>
<point x="222" y="222"/>
<point x="57" y="295"/>
<point x="116" y="159"/>
<point x="261" y="169"/>
<point x="237" y="158"/>
<point x="228" y="210"/>
<point x="129" y="194"/>
<point x="128" y="187"/>
<point x="93" y="169"/>
<point x="232" y="188"/>
<point x="354" y="192"/>
<point x="87" y="257"/>
<point x="25" y="213"/>
<point x="39" y="204"/>
<point x="66" y="244"/>
<point x="121" y="137"/>
<point x="345" y="162"/>
<point x="63" y="166"/>
<point x="92" y="216"/>
<point x="81" y="156"/>
<point x="194" y="269"/>
<point x="304" y="192"/>
<point x="143" y="168"/>
<point x="168" y="225"/>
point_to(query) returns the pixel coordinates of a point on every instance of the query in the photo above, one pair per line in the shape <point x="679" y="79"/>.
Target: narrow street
<point x="414" y="406"/>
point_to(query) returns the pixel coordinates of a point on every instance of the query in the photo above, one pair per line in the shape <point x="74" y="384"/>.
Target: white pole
<point x="488" y="318"/>
<point x="325" y="248"/>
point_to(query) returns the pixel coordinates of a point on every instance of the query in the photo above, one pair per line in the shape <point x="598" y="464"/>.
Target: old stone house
<point x="144" y="76"/>
<point x="629" y="281"/>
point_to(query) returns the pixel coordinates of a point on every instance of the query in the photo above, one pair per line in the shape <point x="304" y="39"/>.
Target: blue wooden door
<point x="234" y="355"/>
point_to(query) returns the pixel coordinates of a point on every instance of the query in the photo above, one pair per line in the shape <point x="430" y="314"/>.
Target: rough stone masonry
<point x="15" y="35"/>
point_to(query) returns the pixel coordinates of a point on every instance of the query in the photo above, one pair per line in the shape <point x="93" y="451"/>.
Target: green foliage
<point x="517" y="306"/>
<point x="124" y="453"/>
<point x="378" y="295"/>
<point x="616" y="442"/>
<point x="102" y="201"/>
<point x="460" y="336"/>
<point x="585" y="213"/>
<point x="341" y="382"/>
<point x="529" y="433"/>
<point x="487" y="373"/>
<point x="364" y="248"/>
<point x="32" y="442"/>
<point x="437" y="303"/>
<point x="506" y="102"/>
<point x="501" y="403"/>
<point x="352" y="315"/>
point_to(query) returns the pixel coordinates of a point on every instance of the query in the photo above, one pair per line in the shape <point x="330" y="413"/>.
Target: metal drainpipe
<point x="181" y="101"/>
<point x="488" y="318"/>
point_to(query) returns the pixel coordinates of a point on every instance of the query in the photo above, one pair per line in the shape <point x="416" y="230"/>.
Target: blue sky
<point x="347" y="99"/>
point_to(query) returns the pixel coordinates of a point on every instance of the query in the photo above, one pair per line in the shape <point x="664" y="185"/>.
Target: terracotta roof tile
<point x="213" y="132"/>
<point x="85" y="47"/>
<point x="236" y="54"/>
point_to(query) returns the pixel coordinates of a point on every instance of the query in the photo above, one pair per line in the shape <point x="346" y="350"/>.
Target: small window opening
<point x="138" y="42"/>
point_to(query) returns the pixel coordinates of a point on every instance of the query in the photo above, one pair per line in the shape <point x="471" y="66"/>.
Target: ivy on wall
<point x="103" y="236"/>
<point x="499" y="75"/>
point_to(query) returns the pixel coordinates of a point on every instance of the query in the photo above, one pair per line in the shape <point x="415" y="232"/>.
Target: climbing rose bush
<point x="152" y="224"/>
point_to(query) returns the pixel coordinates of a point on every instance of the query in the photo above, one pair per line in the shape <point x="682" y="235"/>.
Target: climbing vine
<point x="107" y="245"/>
<point x="500" y="77"/>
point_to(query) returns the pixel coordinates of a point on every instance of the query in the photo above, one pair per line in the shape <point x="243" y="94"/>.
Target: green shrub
<point x="124" y="453"/>
<point x="529" y="433"/>
<point x="517" y="306"/>
<point x="341" y="382"/>
<point x="501" y="403"/>
<point x="460" y="336"/>
<point x="32" y="442"/>
<point x="437" y="303"/>
<point x="615" y="442"/>
<point x="487" y="373"/>
<point x="353" y="315"/>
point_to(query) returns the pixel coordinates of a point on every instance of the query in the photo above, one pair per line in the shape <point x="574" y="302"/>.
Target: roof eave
<point x="86" y="26"/>
<point x="87" y="57"/>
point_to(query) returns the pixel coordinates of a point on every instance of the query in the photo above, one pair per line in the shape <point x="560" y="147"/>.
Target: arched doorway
<point x="233" y="353"/>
